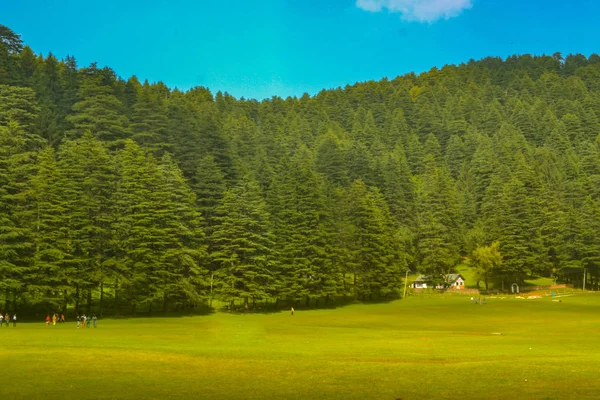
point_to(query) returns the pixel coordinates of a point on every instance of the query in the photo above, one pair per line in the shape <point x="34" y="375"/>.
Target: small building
<point x="450" y="281"/>
<point x="422" y="281"/>
<point x="455" y="281"/>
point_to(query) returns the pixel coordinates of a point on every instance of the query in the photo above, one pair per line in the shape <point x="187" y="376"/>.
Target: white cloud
<point x="418" y="10"/>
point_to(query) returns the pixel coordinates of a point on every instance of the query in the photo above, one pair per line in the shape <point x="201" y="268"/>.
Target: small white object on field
<point x="525" y="380"/>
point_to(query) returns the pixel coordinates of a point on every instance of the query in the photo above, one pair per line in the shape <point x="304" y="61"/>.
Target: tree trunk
<point x="77" y="299"/>
<point x="307" y="301"/>
<point x="89" y="302"/>
<point x="64" y="303"/>
<point x="210" y="299"/>
<point x="117" y="299"/>
<point x="101" y="298"/>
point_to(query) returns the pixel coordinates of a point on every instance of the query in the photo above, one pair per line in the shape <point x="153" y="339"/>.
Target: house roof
<point x="448" y="278"/>
<point x="453" y="277"/>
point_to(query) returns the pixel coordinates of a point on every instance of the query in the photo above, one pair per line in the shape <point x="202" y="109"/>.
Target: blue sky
<point x="257" y="49"/>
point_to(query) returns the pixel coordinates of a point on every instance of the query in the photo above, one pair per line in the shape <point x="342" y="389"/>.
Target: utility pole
<point x="405" y="282"/>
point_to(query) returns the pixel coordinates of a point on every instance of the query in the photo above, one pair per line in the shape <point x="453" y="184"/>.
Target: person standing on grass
<point x="78" y="321"/>
<point x="88" y="322"/>
<point x="95" y="319"/>
<point x="48" y="320"/>
<point x="292" y="310"/>
<point x="54" y="320"/>
<point x="1" y="319"/>
<point x="6" y="319"/>
<point x="15" y="321"/>
<point x="62" y="318"/>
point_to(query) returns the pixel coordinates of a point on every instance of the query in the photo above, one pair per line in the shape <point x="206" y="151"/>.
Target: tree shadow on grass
<point x="161" y="314"/>
<point x="286" y="306"/>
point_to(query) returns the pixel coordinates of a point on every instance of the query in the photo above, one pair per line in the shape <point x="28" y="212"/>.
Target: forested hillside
<point x="119" y="195"/>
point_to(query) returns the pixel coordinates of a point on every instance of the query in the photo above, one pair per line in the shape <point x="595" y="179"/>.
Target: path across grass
<point x="440" y="347"/>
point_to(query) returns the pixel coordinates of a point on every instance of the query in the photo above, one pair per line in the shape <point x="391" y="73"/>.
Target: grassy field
<point x="428" y="347"/>
<point x="470" y="282"/>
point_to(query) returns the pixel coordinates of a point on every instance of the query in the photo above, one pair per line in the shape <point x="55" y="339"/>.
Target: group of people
<point x="54" y="319"/>
<point x="477" y="300"/>
<point x="6" y="319"/>
<point x="85" y="321"/>
<point x="82" y="321"/>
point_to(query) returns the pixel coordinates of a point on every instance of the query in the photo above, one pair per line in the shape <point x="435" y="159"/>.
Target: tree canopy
<point x="124" y="196"/>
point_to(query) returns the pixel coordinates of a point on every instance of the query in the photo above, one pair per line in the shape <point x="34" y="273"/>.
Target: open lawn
<point x="437" y="347"/>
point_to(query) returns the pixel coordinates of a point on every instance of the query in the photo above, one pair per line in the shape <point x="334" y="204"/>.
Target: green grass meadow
<point x="422" y="347"/>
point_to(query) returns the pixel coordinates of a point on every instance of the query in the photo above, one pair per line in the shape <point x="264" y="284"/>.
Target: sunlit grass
<point x="430" y="347"/>
<point x="540" y="281"/>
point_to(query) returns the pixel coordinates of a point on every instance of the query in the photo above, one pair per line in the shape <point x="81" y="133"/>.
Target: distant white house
<point x="454" y="281"/>
<point x="422" y="281"/>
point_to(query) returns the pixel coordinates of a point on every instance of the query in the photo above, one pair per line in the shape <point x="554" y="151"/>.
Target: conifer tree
<point x="149" y="119"/>
<point x="182" y="251"/>
<point x="518" y="236"/>
<point x="330" y="160"/>
<point x="439" y="222"/>
<point x="137" y="237"/>
<point x="455" y="155"/>
<point x="398" y="188"/>
<point x="47" y="278"/>
<point x="19" y="105"/>
<point x="99" y="111"/>
<point x="243" y="245"/>
<point x="89" y="184"/>
<point x="300" y="229"/>
<point x="373" y="260"/>
<point x="17" y="211"/>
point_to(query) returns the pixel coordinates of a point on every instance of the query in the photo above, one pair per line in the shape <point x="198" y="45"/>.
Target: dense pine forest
<point x="121" y="196"/>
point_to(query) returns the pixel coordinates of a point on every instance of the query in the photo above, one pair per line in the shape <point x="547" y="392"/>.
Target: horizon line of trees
<point x="129" y="196"/>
